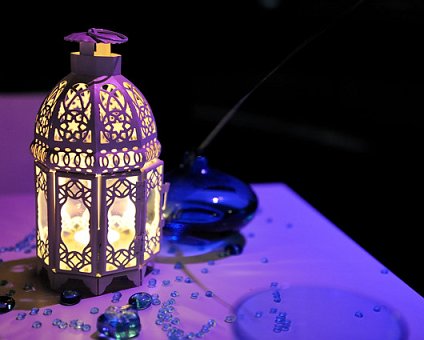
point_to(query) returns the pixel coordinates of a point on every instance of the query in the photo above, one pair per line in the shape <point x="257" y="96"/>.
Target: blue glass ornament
<point x="204" y="200"/>
<point x="140" y="301"/>
<point x="119" y="322"/>
<point x="7" y="303"/>
<point x="70" y="297"/>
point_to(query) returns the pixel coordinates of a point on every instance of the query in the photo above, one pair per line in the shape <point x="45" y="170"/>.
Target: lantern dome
<point x="95" y="120"/>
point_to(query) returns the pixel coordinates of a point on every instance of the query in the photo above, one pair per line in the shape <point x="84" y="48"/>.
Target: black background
<point x="340" y="123"/>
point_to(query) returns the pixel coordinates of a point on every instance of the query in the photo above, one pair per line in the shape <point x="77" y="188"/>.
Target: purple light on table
<point x="98" y="176"/>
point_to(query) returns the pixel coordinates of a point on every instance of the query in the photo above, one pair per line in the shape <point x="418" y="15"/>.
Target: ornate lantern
<point x="98" y="177"/>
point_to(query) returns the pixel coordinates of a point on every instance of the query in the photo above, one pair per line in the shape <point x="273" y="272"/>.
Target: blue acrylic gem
<point x="20" y="316"/>
<point x="86" y="327"/>
<point x="34" y="311"/>
<point x="7" y="303"/>
<point x="70" y="297"/>
<point x="47" y="311"/>
<point x="119" y="322"/>
<point x="94" y="310"/>
<point x="230" y="318"/>
<point x="140" y="301"/>
<point x="63" y="325"/>
<point x="36" y="324"/>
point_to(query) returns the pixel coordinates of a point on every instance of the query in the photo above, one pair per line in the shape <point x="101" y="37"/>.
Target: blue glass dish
<point x="202" y="200"/>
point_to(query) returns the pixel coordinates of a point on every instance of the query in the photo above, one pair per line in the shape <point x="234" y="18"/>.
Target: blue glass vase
<point x="202" y="200"/>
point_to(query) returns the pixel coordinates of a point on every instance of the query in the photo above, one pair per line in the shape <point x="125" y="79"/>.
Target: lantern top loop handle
<point x="97" y="35"/>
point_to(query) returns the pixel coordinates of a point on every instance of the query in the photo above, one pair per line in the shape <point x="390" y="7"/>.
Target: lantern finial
<point x="97" y="35"/>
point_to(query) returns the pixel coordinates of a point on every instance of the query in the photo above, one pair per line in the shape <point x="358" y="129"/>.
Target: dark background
<point x="339" y="123"/>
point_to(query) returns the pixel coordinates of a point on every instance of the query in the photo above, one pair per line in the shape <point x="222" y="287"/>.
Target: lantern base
<point x="96" y="285"/>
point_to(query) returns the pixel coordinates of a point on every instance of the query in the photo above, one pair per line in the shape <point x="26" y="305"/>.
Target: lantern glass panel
<point x="42" y="215"/>
<point x="121" y="216"/>
<point x="153" y="211"/>
<point x="75" y="199"/>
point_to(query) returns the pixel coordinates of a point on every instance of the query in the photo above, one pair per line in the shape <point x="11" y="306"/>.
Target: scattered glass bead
<point x="205" y="329"/>
<point x="70" y="297"/>
<point x="7" y="303"/>
<point x="34" y="311"/>
<point x="377" y="308"/>
<point x="36" y="324"/>
<point x="282" y="314"/>
<point x="73" y="323"/>
<point x="21" y="316"/>
<point x="188" y="280"/>
<point x="3" y="283"/>
<point x="56" y="322"/>
<point x="48" y="311"/>
<point x="199" y="335"/>
<point x="233" y="249"/>
<point x="179" y="278"/>
<point x="194" y="295"/>
<point x="155" y="271"/>
<point x="277" y="329"/>
<point x="175" y="321"/>
<point x="273" y="310"/>
<point x="204" y="270"/>
<point x="175" y="293"/>
<point x="166" y="283"/>
<point x="209" y="293"/>
<point x="94" y="310"/>
<point x="264" y="260"/>
<point x="158" y="322"/>
<point x="211" y="262"/>
<point x="359" y="314"/>
<point x="155" y="302"/>
<point x="259" y="314"/>
<point x="178" y="265"/>
<point x="165" y="326"/>
<point x="28" y="287"/>
<point x="119" y="322"/>
<point x="152" y="283"/>
<point x="63" y="325"/>
<point x="190" y="335"/>
<point x="140" y="301"/>
<point x="211" y="323"/>
<point x="155" y="296"/>
<point x="274" y="284"/>
<point x="171" y="301"/>
<point x="86" y="327"/>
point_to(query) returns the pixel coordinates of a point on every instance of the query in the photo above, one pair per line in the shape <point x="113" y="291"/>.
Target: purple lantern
<point x="98" y="177"/>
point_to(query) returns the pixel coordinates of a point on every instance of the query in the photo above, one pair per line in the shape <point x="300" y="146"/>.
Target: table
<point x="329" y="286"/>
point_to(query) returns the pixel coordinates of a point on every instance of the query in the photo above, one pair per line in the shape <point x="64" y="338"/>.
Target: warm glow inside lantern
<point x="98" y="177"/>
